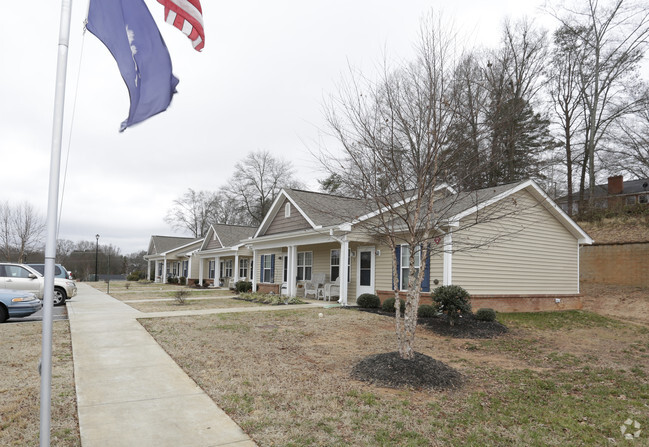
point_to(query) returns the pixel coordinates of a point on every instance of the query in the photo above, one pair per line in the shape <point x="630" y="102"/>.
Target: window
<point x="210" y="269"/>
<point x="630" y="200"/>
<point x="287" y="210"/>
<point x="644" y="198"/>
<point x="175" y="269"/>
<point x="267" y="272"/>
<point x="285" y="276"/>
<point x="227" y="268"/>
<point x="304" y="265"/>
<point x="405" y="265"/>
<point x="15" y="271"/>
<point x="185" y="268"/>
<point x="243" y="268"/>
<point x="334" y="271"/>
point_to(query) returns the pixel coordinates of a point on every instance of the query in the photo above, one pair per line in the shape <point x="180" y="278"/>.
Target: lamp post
<point x="97" y="258"/>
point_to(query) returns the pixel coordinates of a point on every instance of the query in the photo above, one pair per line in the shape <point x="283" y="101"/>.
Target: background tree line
<point x="566" y="109"/>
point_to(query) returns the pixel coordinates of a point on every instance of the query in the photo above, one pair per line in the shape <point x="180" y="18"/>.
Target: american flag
<point x="187" y="16"/>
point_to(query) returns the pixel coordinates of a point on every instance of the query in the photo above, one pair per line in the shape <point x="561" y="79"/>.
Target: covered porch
<point x="225" y="267"/>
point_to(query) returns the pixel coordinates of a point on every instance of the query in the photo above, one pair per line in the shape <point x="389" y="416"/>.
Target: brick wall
<point x="622" y="264"/>
<point x="508" y="303"/>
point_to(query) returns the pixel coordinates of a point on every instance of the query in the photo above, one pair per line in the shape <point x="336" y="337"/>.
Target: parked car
<point x="59" y="270"/>
<point x="15" y="304"/>
<point x="25" y="278"/>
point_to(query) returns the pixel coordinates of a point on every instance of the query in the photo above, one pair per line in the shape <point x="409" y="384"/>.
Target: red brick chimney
<point x="615" y="185"/>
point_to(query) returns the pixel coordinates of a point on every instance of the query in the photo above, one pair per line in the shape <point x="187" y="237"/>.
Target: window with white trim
<point x="227" y="268"/>
<point x="243" y="268"/>
<point x="334" y="269"/>
<point x="210" y="269"/>
<point x="304" y="265"/>
<point x="405" y="265"/>
<point x="266" y="274"/>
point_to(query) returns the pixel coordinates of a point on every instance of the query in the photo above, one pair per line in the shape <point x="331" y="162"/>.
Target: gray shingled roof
<point x="326" y="210"/>
<point x="162" y="244"/>
<point x="232" y="234"/>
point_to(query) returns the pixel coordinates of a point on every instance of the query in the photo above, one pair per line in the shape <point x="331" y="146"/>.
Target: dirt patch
<point x="391" y="370"/>
<point x="624" y="302"/>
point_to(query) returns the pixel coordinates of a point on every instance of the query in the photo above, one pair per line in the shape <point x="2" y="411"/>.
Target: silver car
<point x="15" y="304"/>
<point x="24" y="278"/>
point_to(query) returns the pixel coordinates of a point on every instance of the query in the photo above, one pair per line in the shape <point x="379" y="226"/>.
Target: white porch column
<point x="253" y="270"/>
<point x="217" y="270"/>
<point x="448" y="258"/>
<point x="148" y="270"/>
<point x="343" y="274"/>
<point x="235" y="267"/>
<point x="200" y="270"/>
<point x="189" y="266"/>
<point x="163" y="277"/>
<point x="291" y="270"/>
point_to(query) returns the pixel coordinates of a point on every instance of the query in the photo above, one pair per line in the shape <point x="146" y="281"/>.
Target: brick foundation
<point x="506" y="303"/>
<point x="268" y="288"/>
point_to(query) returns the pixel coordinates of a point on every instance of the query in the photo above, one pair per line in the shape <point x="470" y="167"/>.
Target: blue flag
<point x="128" y="30"/>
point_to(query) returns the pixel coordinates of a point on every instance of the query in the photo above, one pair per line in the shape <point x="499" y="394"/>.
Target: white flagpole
<point x="52" y="209"/>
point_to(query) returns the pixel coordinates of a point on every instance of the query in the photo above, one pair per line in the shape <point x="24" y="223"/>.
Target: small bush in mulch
<point x="368" y="301"/>
<point x="466" y="326"/>
<point x="485" y="314"/>
<point x="388" y="305"/>
<point x="390" y="370"/>
<point x="426" y="311"/>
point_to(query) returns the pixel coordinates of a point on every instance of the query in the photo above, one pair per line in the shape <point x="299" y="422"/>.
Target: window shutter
<point x="261" y="269"/>
<point x="272" y="268"/>
<point x="398" y="256"/>
<point x="425" y="285"/>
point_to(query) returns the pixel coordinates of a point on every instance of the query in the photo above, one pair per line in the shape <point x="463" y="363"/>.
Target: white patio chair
<point x="332" y="289"/>
<point x="315" y="286"/>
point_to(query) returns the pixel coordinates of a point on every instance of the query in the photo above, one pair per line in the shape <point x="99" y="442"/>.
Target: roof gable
<point x="163" y="244"/>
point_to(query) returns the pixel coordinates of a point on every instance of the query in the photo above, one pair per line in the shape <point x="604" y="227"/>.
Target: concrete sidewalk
<point x="129" y="391"/>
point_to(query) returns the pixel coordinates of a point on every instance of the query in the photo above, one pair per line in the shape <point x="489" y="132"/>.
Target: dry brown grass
<point x="618" y="230"/>
<point x="285" y="378"/>
<point x="20" y="386"/>
<point x="143" y="291"/>
<point x="165" y="306"/>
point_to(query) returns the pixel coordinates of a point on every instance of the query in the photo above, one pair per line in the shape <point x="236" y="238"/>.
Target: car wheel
<point x="59" y="296"/>
<point x="4" y="315"/>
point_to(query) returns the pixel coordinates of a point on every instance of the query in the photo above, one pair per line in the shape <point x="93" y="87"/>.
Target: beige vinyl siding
<point x="383" y="269"/>
<point x="282" y="224"/>
<point x="532" y="253"/>
<point x="436" y="269"/>
<point x="213" y="244"/>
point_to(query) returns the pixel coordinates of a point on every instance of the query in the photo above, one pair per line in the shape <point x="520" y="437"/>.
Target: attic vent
<point x="214" y="237"/>
<point x="287" y="210"/>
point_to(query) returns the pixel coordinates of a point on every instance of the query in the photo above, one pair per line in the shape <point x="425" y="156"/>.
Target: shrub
<point x="388" y="305"/>
<point x="369" y="301"/>
<point x="485" y="314"/>
<point x="205" y="283"/>
<point x="135" y="276"/>
<point x="182" y="280"/>
<point x="453" y="301"/>
<point x="172" y="280"/>
<point x="181" y="296"/>
<point x="426" y="311"/>
<point x="243" y="286"/>
<point x="127" y="285"/>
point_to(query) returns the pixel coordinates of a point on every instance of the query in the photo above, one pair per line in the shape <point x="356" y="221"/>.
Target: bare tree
<point x="392" y="133"/>
<point x="194" y="212"/>
<point x="6" y="230"/>
<point x="256" y="182"/>
<point x="28" y="228"/>
<point x="614" y="37"/>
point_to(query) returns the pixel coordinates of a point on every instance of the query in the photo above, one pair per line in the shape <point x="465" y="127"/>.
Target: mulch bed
<point x="467" y="327"/>
<point x="390" y="370"/>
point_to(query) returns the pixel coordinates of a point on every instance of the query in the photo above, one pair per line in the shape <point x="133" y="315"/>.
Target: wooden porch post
<point x="448" y="258"/>
<point x="200" y="271"/>
<point x="235" y="267"/>
<point x="291" y="273"/>
<point x="253" y="273"/>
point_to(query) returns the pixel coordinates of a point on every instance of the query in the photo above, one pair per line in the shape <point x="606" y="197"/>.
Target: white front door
<point x="364" y="270"/>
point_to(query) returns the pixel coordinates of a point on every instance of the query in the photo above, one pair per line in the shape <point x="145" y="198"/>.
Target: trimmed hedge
<point x="243" y="286"/>
<point x="485" y="314"/>
<point x="426" y="311"/>
<point x="368" y="301"/>
<point x="453" y="301"/>
<point x="388" y="305"/>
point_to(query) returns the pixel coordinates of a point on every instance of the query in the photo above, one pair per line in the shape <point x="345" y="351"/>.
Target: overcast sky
<point x="259" y="83"/>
